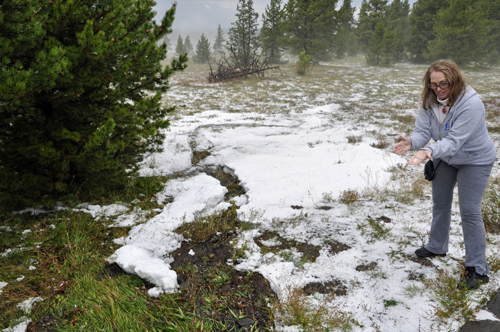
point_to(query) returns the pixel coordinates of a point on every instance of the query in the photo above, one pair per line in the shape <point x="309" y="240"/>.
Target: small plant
<point x="349" y="196"/>
<point x="351" y="139"/>
<point x="202" y="229"/>
<point x="304" y="63"/>
<point x="239" y="253"/>
<point x="390" y="303"/>
<point x="375" y="229"/>
<point x="413" y="290"/>
<point x="297" y="310"/>
<point x="451" y="302"/>
<point x="381" y="144"/>
<point x="199" y="156"/>
<point x="327" y="197"/>
<point x="491" y="207"/>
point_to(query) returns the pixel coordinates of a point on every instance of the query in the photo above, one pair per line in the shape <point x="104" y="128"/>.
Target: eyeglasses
<point x="442" y="85"/>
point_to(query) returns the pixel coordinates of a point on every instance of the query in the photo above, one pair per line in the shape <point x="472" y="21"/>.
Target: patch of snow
<point x="136" y="216"/>
<point x="147" y="244"/>
<point x="2" y="285"/>
<point x="29" y="303"/>
<point x="97" y="212"/>
<point x="486" y="315"/>
<point x="20" y="327"/>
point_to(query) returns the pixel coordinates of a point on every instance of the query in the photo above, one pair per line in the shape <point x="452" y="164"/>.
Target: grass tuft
<point x="203" y="228"/>
<point x="299" y="310"/>
<point x="349" y="196"/>
<point x="451" y="300"/>
<point x="491" y="207"/>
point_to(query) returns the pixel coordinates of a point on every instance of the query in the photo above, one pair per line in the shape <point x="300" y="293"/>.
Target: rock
<point x="494" y="305"/>
<point x="481" y="326"/>
<point x="245" y="322"/>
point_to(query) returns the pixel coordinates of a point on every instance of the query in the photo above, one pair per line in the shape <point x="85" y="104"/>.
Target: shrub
<point x="304" y="63"/>
<point x="80" y="86"/>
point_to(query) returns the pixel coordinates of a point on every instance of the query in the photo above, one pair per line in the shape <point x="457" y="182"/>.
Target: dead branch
<point x="227" y="68"/>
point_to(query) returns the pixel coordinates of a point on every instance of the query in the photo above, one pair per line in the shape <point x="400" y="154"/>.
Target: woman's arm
<point x="422" y="133"/>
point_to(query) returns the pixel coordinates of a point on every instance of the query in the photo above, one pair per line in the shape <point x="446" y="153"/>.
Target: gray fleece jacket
<point x="462" y="138"/>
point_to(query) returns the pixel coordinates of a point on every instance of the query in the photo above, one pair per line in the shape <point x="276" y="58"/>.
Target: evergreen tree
<point x="371" y="12"/>
<point x="311" y="26"/>
<point x="76" y="104"/>
<point x="344" y="38"/>
<point x="180" y="48"/>
<point x="272" y="32"/>
<point x="492" y="8"/>
<point x="379" y="42"/>
<point x="167" y="41"/>
<point x="422" y="19"/>
<point x="243" y="38"/>
<point x="219" y="41"/>
<point x="188" y="45"/>
<point x="461" y="33"/>
<point x="398" y="23"/>
<point x="202" y="50"/>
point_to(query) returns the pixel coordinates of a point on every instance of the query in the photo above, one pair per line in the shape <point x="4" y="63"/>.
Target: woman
<point x="453" y="115"/>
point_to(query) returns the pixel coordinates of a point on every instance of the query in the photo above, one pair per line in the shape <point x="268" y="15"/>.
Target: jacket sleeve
<point x="422" y="133"/>
<point x="470" y="116"/>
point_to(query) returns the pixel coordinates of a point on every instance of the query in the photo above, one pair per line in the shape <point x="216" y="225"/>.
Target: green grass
<point x="69" y="251"/>
<point x="202" y="229"/>
<point x="450" y="301"/>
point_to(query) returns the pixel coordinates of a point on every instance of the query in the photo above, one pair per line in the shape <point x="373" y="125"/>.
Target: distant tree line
<point x="467" y="31"/>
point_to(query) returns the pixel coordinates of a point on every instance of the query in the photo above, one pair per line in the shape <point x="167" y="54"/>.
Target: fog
<point x="195" y="16"/>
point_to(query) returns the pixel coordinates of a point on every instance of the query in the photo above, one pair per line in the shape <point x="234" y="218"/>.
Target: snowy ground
<point x="287" y="141"/>
<point x="289" y="147"/>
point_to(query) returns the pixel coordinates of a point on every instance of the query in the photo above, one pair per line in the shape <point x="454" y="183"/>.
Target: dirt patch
<point x="231" y="182"/>
<point x="113" y="271"/>
<point x="384" y="219"/>
<point x="218" y="291"/>
<point x="416" y="276"/>
<point x="420" y="260"/>
<point x="367" y="267"/>
<point x="310" y="252"/>
<point x="336" y="247"/>
<point x="46" y="323"/>
<point x="330" y="287"/>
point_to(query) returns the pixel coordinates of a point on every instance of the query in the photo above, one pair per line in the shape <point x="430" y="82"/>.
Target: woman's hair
<point x="453" y="76"/>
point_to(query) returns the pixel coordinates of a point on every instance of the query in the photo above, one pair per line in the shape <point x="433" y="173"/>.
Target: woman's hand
<point x="403" y="146"/>
<point x="420" y="156"/>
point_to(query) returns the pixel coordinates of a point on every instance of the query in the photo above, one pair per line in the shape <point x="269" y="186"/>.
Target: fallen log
<point x="227" y="69"/>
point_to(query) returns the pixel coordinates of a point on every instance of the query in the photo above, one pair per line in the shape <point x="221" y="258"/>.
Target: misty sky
<point x="206" y="15"/>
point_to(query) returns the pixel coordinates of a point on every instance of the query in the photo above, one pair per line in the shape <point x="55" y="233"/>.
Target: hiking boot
<point x="422" y="252"/>
<point x="472" y="279"/>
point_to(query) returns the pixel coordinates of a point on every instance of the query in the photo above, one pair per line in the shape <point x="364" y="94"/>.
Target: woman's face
<point x="440" y="84"/>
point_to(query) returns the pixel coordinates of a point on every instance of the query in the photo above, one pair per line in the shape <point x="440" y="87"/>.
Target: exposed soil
<point x="421" y="260"/>
<point x="310" y="252"/>
<point x="416" y="276"/>
<point x="231" y="182"/>
<point x="384" y="219"/>
<point x="217" y="288"/>
<point x="330" y="287"/>
<point x="46" y="323"/>
<point x="367" y="267"/>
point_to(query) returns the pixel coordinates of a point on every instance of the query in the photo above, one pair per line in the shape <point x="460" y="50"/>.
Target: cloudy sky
<point x="206" y="15"/>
